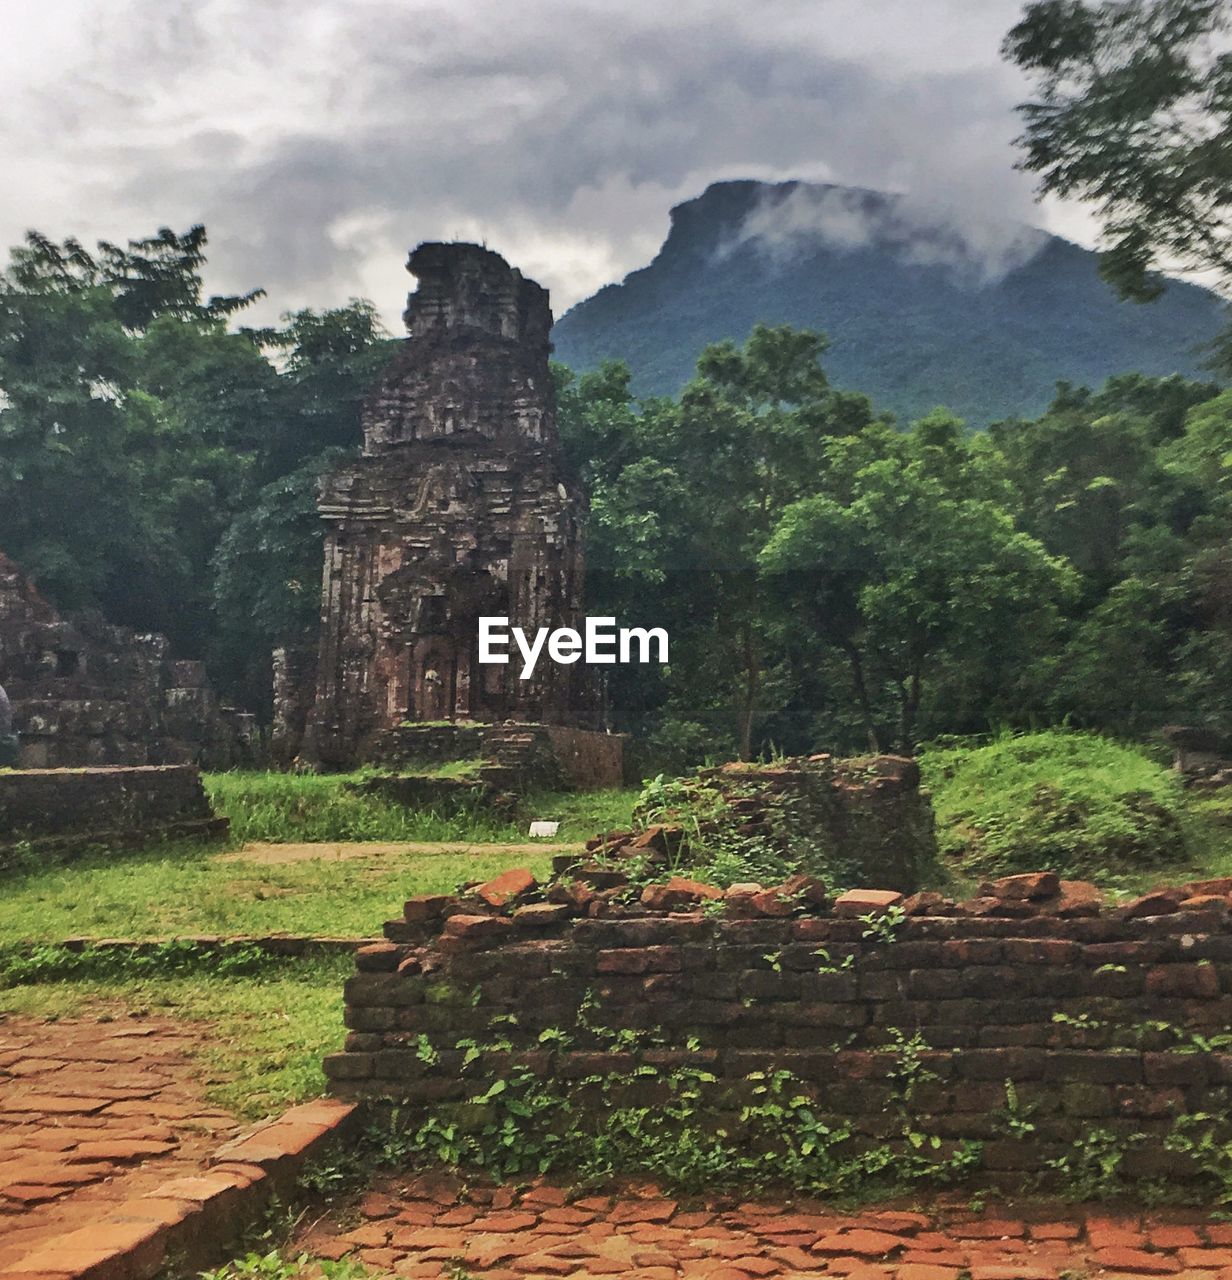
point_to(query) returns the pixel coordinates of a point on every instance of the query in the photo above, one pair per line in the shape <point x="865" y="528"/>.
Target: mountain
<point x="922" y="308"/>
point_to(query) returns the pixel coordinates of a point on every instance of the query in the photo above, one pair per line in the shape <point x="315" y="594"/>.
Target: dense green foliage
<point x="987" y="336"/>
<point x="1070" y="802"/>
<point x="156" y="464"/>
<point x="296" y="808"/>
<point x="829" y="578"/>
<point x="1134" y="116"/>
<point x="285" y="807"/>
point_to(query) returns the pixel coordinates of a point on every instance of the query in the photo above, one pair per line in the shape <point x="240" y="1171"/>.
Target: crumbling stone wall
<point x="520" y="754"/>
<point x="294" y="672"/>
<point x="589" y="760"/>
<point x="409" y="744"/>
<point x="460" y="507"/>
<point x="864" y="820"/>
<point x="61" y="811"/>
<point x="1198" y="756"/>
<point x="87" y="693"/>
<point x="1031" y="1015"/>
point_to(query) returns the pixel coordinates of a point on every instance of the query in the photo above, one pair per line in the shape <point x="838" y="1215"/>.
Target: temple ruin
<point x="459" y="507"/>
<point x="85" y="692"/>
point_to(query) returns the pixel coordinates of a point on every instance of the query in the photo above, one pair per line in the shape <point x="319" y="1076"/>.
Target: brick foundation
<point x="1060" y="1008"/>
<point x="517" y="755"/>
<point x="61" y="811"/>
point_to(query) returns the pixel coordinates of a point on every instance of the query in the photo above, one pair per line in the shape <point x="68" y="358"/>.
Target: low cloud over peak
<point x="318" y="141"/>
<point x="972" y="243"/>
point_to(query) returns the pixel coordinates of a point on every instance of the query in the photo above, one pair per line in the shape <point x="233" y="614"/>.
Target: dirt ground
<point x="376" y="851"/>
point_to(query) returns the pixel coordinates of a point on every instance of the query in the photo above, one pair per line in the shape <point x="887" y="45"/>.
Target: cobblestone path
<point x="92" y="1113"/>
<point x="431" y="1228"/>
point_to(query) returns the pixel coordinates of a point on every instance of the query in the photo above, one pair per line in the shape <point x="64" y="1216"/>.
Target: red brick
<point x="1054" y="1231"/>
<point x="1013" y="1271"/>
<point x="1198" y="981"/>
<point x="627" y="1211"/>
<point x="1162" y="903"/>
<point x="869" y="1244"/>
<point x="424" y="907"/>
<point x="540" y="914"/>
<point x="502" y="889"/>
<point x="957" y="1258"/>
<point x="988" y="1229"/>
<point x="1020" y="888"/>
<point x="753" y="1266"/>
<point x="117" y="1150"/>
<point x="507" y="1222"/>
<point x="476" y="928"/>
<point x="862" y="902"/>
<point x="543" y="1264"/>
<point x="1173" y="1237"/>
<point x="1197" y="1257"/>
<point x="1120" y="1258"/>
<point x="378" y="957"/>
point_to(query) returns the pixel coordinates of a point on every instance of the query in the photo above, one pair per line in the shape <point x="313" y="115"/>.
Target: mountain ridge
<point x="984" y="319"/>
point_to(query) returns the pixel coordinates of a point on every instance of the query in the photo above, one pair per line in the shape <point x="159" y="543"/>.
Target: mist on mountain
<point x="924" y="303"/>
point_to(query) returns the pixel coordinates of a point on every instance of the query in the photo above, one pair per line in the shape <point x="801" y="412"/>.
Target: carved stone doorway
<point x="435" y="683"/>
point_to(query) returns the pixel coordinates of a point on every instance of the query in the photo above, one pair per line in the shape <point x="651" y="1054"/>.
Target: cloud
<point x="320" y="140"/>
<point x="977" y="246"/>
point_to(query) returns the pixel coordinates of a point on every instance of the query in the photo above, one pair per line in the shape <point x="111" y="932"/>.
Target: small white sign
<point x="544" y="830"/>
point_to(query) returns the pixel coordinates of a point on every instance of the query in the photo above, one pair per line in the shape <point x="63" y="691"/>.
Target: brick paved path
<point x="430" y="1228"/>
<point x="92" y="1113"/>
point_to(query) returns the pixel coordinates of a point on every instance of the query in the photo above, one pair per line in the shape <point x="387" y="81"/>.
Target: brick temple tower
<point x="459" y="507"/>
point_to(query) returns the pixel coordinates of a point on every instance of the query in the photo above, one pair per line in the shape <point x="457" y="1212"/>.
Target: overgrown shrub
<point x="25" y="966"/>
<point x="284" y="807"/>
<point x="1076" y="803"/>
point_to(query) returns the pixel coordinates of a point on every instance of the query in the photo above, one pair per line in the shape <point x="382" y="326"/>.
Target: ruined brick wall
<point x="460" y="507"/>
<point x="87" y="693"/>
<point x="588" y="759"/>
<point x="1097" y="1022"/>
<point x="863" y="820"/>
<point x="526" y="754"/>
<point x="63" y="810"/>
<point x="294" y="682"/>
<point x="409" y="744"/>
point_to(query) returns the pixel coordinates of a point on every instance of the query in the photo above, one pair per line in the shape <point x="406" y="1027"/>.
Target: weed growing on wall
<point x="680" y="1125"/>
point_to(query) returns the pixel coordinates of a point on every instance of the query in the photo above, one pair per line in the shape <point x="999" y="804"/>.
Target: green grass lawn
<point x="264" y="1033"/>
<point x="287" y="807"/>
<point x="263" y="1036"/>
<point x="187" y="889"/>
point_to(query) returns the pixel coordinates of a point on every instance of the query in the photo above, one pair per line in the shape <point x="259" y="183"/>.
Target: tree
<point x="100" y="475"/>
<point x="683" y="497"/>
<point x="140" y="431"/>
<point x="1134" y="113"/>
<point x="911" y="564"/>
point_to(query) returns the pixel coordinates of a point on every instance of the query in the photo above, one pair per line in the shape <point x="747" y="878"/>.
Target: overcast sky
<point x="318" y="140"/>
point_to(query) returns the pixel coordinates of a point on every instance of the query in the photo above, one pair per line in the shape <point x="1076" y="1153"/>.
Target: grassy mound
<point x="1063" y="801"/>
<point x="289" y="808"/>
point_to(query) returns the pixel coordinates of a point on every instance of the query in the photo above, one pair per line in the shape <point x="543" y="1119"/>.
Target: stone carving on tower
<point x="459" y="507"/>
